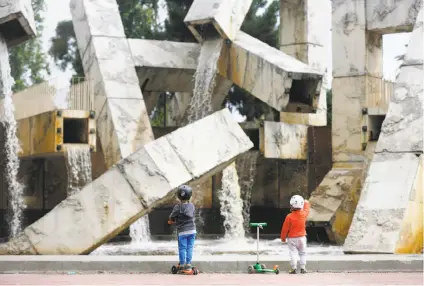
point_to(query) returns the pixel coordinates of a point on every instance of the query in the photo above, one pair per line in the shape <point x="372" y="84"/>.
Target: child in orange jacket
<point x="294" y="231"/>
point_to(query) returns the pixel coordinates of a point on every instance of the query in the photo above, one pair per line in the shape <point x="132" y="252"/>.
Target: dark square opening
<point x="375" y="123"/>
<point x="253" y="135"/>
<point x="302" y="95"/>
<point x="12" y="30"/>
<point x="75" y="131"/>
<point x="206" y="31"/>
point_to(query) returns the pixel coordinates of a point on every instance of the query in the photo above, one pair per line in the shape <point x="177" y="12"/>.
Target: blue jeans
<point x="185" y="248"/>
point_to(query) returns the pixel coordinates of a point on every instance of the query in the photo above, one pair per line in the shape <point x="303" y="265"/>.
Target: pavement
<point x="206" y="264"/>
<point x="392" y="278"/>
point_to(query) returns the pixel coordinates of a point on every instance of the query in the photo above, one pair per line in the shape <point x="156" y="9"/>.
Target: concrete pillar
<point x="357" y="71"/>
<point x="304" y="35"/>
<point x="122" y="119"/>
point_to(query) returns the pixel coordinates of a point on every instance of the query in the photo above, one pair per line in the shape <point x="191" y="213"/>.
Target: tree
<point x="139" y="18"/>
<point x="28" y="62"/>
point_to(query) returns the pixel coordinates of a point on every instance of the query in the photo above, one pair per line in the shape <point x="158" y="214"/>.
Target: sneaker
<point x="303" y="271"/>
<point x="187" y="267"/>
<point x="293" y="271"/>
<point x="180" y="267"/>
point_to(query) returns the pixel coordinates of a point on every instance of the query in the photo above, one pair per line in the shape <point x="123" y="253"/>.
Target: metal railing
<point x="379" y="94"/>
<point x="55" y="93"/>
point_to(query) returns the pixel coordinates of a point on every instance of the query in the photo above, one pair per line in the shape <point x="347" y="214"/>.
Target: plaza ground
<point x="391" y="278"/>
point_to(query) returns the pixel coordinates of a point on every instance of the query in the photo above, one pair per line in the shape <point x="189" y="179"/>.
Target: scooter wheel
<point x="195" y="271"/>
<point x="277" y="271"/>
<point x="263" y="266"/>
<point x="250" y="269"/>
<point x="174" y="270"/>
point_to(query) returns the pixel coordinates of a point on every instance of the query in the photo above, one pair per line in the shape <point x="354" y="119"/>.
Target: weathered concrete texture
<point x="381" y="210"/>
<point x="108" y="62"/>
<point x="177" y="107"/>
<point x="47" y="134"/>
<point x="348" y="100"/>
<point x="303" y="33"/>
<point x="392" y="16"/>
<point x="335" y="200"/>
<point x="137" y="184"/>
<point x="209" y="264"/>
<point x="16" y="21"/>
<point x="165" y="66"/>
<point x="414" y="51"/>
<point x="226" y="16"/>
<point x="247" y="62"/>
<point x="267" y="73"/>
<point x="361" y="50"/>
<point x="402" y="130"/>
<point x="284" y="141"/>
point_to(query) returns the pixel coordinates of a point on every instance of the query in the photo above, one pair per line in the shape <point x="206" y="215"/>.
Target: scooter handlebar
<point x="258" y="224"/>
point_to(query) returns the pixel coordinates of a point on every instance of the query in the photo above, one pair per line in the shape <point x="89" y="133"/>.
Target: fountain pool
<point x="224" y="246"/>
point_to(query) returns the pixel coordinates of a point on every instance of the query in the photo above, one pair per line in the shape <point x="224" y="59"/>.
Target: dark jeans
<point x="185" y="248"/>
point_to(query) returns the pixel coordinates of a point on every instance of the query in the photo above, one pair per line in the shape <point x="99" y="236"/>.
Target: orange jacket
<point x="295" y="223"/>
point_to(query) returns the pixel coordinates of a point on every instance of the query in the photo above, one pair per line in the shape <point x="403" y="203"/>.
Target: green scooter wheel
<point x="250" y="269"/>
<point x="263" y="266"/>
<point x="277" y="271"/>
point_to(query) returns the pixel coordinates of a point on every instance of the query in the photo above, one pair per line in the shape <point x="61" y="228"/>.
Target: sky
<point x="58" y="10"/>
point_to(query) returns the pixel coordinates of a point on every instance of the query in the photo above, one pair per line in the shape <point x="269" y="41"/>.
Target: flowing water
<point x="78" y="165"/>
<point x="12" y="147"/>
<point x="231" y="203"/>
<point x="140" y="231"/>
<point x="247" y="163"/>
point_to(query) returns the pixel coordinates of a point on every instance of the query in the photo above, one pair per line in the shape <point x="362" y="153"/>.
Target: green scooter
<point x="258" y="267"/>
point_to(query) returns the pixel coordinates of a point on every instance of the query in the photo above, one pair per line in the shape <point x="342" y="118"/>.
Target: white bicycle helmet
<point x="297" y="202"/>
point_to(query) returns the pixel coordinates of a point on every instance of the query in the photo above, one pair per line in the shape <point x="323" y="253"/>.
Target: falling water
<point x="247" y="162"/>
<point x="204" y="81"/>
<point x="140" y="230"/>
<point x="231" y="203"/>
<point x="78" y="165"/>
<point x="12" y="146"/>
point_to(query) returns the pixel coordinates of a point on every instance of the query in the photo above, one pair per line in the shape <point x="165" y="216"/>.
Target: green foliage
<point x="139" y="18"/>
<point x="28" y="62"/>
<point x="175" y="29"/>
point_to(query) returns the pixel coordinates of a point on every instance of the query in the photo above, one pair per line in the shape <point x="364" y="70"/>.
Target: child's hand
<point x="171" y="221"/>
<point x="283" y="240"/>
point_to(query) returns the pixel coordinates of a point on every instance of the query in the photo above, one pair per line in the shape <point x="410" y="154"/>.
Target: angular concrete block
<point x="221" y="132"/>
<point x="392" y="16"/>
<point x="414" y="51"/>
<point x="348" y="99"/>
<point x="302" y="22"/>
<point x="81" y="222"/>
<point x="16" y="21"/>
<point x="402" y="130"/>
<point x="136" y="185"/>
<point x="284" y="141"/>
<point x="95" y="18"/>
<point x="225" y="16"/>
<point x="265" y="72"/>
<point x="154" y="170"/>
<point x="411" y="232"/>
<point x="378" y="218"/>
<point x="122" y="128"/>
<point x="361" y="50"/>
<point x="335" y="200"/>
<point x="107" y="61"/>
<point x="165" y="66"/>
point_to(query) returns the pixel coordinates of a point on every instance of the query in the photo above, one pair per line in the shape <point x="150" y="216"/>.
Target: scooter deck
<point x="192" y="271"/>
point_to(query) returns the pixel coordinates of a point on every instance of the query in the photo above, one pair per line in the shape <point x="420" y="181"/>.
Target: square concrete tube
<point x="389" y="17"/>
<point x="134" y="186"/>
<point x="265" y="72"/>
<point x="52" y="133"/>
<point x="223" y="17"/>
<point x="16" y="21"/>
<point x="279" y="140"/>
